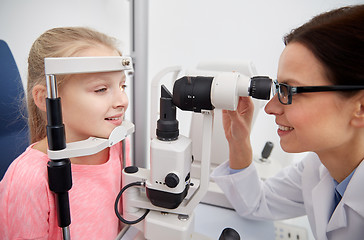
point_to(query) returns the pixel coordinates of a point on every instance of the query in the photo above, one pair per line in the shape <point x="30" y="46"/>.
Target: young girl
<point x="93" y="104"/>
<point x="328" y="121"/>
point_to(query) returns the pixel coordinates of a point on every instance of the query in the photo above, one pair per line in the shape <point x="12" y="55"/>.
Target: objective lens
<point x="193" y="93"/>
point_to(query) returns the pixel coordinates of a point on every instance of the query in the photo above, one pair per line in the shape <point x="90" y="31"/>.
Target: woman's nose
<point x="274" y="107"/>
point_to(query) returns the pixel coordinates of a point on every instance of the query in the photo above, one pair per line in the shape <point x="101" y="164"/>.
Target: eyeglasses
<point x="285" y="92"/>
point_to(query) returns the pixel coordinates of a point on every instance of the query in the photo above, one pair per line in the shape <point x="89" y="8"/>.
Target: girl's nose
<point x="274" y="107"/>
<point x="120" y="99"/>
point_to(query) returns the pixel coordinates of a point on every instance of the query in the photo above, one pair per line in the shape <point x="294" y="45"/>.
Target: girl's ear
<point x="39" y="95"/>
<point x="358" y="115"/>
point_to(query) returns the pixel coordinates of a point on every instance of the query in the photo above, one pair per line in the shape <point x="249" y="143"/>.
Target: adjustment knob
<point x="131" y="169"/>
<point x="171" y="180"/>
<point x="268" y="147"/>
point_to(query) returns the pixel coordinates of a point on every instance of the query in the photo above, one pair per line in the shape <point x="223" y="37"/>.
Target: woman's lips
<point x="284" y="130"/>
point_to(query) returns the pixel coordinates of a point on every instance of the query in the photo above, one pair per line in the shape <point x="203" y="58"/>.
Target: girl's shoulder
<point x="30" y="168"/>
<point x="24" y="191"/>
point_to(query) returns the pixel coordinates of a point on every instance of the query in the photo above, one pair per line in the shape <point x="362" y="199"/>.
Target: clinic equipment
<point x="163" y="198"/>
<point x="219" y="144"/>
<point x="59" y="166"/>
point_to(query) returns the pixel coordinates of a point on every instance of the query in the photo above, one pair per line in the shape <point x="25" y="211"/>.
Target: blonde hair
<point x="56" y="42"/>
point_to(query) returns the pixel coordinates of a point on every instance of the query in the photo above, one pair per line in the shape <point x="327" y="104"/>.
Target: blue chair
<point x="14" y="133"/>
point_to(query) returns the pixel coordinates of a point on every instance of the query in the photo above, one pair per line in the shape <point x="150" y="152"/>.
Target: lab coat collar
<point x="354" y="193"/>
<point x="353" y="196"/>
<point x="321" y="194"/>
<point x="323" y="171"/>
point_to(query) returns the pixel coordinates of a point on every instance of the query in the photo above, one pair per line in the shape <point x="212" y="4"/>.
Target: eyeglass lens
<point x="283" y="93"/>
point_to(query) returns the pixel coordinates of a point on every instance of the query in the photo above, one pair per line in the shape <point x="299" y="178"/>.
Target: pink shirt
<point x="27" y="206"/>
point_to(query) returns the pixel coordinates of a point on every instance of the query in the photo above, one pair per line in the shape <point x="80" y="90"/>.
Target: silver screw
<point x="125" y="62"/>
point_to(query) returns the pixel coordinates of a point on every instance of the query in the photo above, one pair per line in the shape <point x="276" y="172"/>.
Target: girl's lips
<point x="113" y="118"/>
<point x="116" y="120"/>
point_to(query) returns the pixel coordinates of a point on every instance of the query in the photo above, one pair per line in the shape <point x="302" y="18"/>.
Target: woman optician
<point x="319" y="108"/>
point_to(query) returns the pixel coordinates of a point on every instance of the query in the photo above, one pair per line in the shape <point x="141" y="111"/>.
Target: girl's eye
<point x="100" y="90"/>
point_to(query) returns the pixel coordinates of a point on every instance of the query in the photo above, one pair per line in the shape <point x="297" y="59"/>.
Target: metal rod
<point x="51" y="86"/>
<point x="57" y="169"/>
<point x="66" y="233"/>
<point x="139" y="20"/>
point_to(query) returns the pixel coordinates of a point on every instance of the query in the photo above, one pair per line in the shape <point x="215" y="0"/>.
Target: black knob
<point x="171" y="180"/>
<point x="229" y="234"/>
<point x="131" y="169"/>
<point x="268" y="147"/>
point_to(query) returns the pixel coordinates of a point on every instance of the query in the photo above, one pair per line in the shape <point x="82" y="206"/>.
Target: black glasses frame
<point x="292" y="90"/>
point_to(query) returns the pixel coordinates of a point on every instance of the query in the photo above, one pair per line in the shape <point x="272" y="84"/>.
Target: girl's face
<point x="93" y="104"/>
<point x="317" y="122"/>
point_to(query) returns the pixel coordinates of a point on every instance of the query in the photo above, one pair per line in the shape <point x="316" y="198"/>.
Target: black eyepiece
<point x="260" y="87"/>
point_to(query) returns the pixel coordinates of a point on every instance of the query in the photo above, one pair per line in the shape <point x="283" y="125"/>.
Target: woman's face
<point x="314" y="121"/>
<point x="93" y="104"/>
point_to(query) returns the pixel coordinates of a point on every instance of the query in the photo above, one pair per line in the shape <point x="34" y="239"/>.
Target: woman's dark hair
<point x="336" y="38"/>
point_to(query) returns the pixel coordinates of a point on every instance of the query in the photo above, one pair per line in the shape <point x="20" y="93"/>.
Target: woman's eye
<point x="100" y="90"/>
<point x="123" y="87"/>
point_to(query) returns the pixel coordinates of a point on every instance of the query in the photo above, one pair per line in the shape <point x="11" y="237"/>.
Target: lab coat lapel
<point x="323" y="201"/>
<point x="353" y="198"/>
<point x="338" y="218"/>
<point x="354" y="193"/>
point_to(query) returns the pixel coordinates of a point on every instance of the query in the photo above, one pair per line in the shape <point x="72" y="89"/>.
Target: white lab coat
<point x="305" y="188"/>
